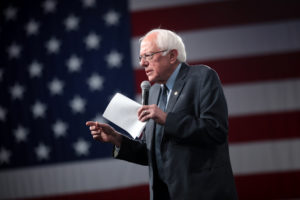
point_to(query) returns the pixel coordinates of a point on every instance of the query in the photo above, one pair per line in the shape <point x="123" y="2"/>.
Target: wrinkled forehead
<point x="148" y="44"/>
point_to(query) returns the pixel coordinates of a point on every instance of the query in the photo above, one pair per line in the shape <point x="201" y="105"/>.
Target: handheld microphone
<point x="145" y="85"/>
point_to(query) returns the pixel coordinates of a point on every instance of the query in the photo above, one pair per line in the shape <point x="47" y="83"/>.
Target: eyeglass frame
<point x="149" y="56"/>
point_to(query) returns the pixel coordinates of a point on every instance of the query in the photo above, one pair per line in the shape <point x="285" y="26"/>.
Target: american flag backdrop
<point x="61" y="62"/>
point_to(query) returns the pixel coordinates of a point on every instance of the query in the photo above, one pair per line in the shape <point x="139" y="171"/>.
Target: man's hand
<point x="152" y="112"/>
<point x="104" y="133"/>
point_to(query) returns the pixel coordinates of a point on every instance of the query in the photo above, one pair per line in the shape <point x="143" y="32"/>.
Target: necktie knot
<point x="165" y="89"/>
<point x="163" y="97"/>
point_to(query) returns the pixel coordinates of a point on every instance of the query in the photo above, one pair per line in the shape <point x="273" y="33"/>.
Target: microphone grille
<point x="145" y="85"/>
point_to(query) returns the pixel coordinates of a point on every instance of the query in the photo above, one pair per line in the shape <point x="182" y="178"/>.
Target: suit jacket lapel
<point x="178" y="86"/>
<point x="154" y="97"/>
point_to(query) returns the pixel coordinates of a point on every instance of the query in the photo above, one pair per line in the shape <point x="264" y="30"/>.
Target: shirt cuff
<point x="116" y="151"/>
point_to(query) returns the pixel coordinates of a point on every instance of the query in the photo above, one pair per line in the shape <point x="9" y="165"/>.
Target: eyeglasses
<point x="149" y="56"/>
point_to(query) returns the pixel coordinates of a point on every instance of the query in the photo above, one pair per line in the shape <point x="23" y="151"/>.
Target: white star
<point x="71" y="23"/>
<point x="78" y="104"/>
<point x="111" y="18"/>
<point x="114" y="59"/>
<point x="14" y="51"/>
<point x="95" y="82"/>
<point x="1" y="74"/>
<point x="35" y="69"/>
<point x="38" y="110"/>
<point x="99" y="118"/>
<point x="49" y="6"/>
<point x="74" y="63"/>
<point x="92" y="41"/>
<point x="42" y="152"/>
<point x="10" y="13"/>
<point x="21" y="134"/>
<point x="89" y="3"/>
<point x="56" y="86"/>
<point x="59" y="128"/>
<point x="32" y="27"/>
<point x="4" y="156"/>
<point x="53" y="45"/>
<point x="2" y="114"/>
<point x="17" y="91"/>
<point x="82" y="147"/>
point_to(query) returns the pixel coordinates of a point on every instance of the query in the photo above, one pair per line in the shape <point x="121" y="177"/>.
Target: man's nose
<point x="144" y="62"/>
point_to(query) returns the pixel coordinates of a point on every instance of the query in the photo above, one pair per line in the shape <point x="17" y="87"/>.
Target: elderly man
<point x="185" y="140"/>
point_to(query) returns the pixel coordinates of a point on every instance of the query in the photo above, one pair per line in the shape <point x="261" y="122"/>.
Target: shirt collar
<point x="171" y="80"/>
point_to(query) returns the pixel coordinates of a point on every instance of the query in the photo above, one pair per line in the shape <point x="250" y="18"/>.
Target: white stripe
<point x="70" y="178"/>
<point x="263" y="97"/>
<point x="260" y="97"/>
<point x="265" y="157"/>
<point x="138" y="5"/>
<point x="236" y="41"/>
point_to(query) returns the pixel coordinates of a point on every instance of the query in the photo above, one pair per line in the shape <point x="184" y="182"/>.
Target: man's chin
<point x="151" y="79"/>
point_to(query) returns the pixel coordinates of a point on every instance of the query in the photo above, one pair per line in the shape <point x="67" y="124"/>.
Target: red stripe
<point x="269" y="186"/>
<point x="131" y="193"/>
<point x="140" y="76"/>
<point x="208" y="15"/>
<point x="238" y="70"/>
<point x="258" y="68"/>
<point x="264" y="127"/>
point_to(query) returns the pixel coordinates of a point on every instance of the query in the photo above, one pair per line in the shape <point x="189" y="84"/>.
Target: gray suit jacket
<point x="194" y="147"/>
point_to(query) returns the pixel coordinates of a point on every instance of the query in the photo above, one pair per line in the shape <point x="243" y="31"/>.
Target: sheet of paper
<point x="122" y="111"/>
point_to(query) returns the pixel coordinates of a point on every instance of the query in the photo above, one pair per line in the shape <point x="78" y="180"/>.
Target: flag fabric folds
<point x="62" y="61"/>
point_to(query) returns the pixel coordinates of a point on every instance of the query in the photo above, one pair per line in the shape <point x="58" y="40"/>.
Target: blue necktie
<point x="159" y="130"/>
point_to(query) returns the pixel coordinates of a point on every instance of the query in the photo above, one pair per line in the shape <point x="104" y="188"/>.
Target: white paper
<point x="122" y="111"/>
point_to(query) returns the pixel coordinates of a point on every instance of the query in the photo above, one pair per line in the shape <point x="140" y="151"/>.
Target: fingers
<point x="98" y="137"/>
<point x="95" y="125"/>
<point x="98" y="125"/>
<point x="145" y="115"/>
<point x="142" y="112"/>
<point x="99" y="131"/>
<point x="141" y="109"/>
<point x="96" y="133"/>
<point x="94" y="128"/>
<point x="104" y="126"/>
<point x="147" y="112"/>
<point x="91" y="123"/>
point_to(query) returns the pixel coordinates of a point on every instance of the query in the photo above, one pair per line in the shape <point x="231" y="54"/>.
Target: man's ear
<point x="173" y="56"/>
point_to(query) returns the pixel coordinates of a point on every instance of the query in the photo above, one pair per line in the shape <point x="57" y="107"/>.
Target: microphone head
<point x="145" y="85"/>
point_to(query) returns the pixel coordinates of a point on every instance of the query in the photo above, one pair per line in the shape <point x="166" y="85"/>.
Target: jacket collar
<point x="178" y="86"/>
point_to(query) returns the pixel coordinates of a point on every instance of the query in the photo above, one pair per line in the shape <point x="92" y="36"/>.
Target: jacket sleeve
<point x="132" y="151"/>
<point x="209" y="127"/>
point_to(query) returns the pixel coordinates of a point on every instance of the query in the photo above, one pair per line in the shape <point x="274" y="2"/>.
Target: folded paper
<point x="122" y="111"/>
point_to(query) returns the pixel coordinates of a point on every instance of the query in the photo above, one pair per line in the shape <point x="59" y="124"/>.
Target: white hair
<point x="168" y="40"/>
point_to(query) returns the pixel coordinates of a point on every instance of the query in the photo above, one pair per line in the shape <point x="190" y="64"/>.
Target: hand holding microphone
<point x="147" y="112"/>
